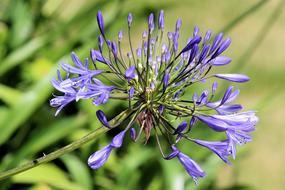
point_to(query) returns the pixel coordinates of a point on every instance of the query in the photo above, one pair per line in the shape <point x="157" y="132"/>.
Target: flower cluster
<point x="154" y="80"/>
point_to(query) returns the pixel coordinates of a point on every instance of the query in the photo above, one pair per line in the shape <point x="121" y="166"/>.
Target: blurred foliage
<point x="35" y="36"/>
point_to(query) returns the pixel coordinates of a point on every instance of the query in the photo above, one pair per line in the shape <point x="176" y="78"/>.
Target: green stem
<point x="66" y="149"/>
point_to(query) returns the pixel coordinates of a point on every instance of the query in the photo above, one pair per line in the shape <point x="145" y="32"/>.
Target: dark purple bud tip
<point x="216" y="42"/>
<point x="233" y="77"/>
<point x="151" y="22"/>
<point x="196" y="31"/>
<point x="207" y="36"/>
<point x="178" y="24"/>
<point x="100" y="21"/>
<point x="102" y="118"/>
<point x="130" y="72"/>
<point x="133" y="134"/>
<point x="118" y="140"/>
<point x="165" y="80"/>
<point x="214" y="87"/>
<point x="161" y="109"/>
<point x="93" y="55"/>
<point x="120" y="35"/>
<point x="225" y="44"/>
<point x="100" y="42"/>
<point x="130" y="19"/>
<point x="182" y="126"/>
<point x="131" y="92"/>
<point x="190" y="45"/>
<point x="161" y="20"/>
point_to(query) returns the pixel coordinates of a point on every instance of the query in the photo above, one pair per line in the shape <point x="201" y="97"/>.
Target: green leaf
<point x="47" y="136"/>
<point x="49" y="174"/>
<point x="25" y="107"/>
<point x="9" y="95"/>
<point x="78" y="171"/>
<point x="22" y="19"/>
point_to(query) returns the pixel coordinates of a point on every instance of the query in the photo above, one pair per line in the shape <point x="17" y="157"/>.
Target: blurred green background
<point x="35" y="36"/>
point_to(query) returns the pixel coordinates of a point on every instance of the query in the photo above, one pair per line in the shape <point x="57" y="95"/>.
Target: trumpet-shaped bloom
<point x="155" y="80"/>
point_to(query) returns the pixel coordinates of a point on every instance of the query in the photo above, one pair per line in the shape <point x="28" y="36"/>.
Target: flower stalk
<point x="66" y="149"/>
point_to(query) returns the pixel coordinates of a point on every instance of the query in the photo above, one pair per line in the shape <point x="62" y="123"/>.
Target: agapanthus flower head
<point x="153" y="79"/>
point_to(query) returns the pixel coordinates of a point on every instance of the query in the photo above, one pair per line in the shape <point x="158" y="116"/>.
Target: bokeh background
<point x="35" y="36"/>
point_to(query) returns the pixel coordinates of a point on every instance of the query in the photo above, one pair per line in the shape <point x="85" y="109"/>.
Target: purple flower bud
<point x="175" y="41"/>
<point x="203" y="98"/>
<point x="99" y="57"/>
<point x="214" y="88"/>
<point x="151" y="22"/>
<point x="131" y="92"/>
<point x="130" y="19"/>
<point x="98" y="159"/>
<point x="144" y="34"/>
<point x="100" y="21"/>
<point x="178" y="25"/>
<point x="170" y="35"/>
<point x="76" y="60"/>
<point x="192" y="121"/>
<point x="220" y="61"/>
<point x="129" y="55"/>
<point x="196" y="31"/>
<point x="207" y="36"/>
<point x="167" y="56"/>
<point x="102" y="118"/>
<point x="182" y="126"/>
<point x="204" y="53"/>
<point x="161" y="109"/>
<point x="130" y="72"/>
<point x="158" y="59"/>
<point x="225" y="44"/>
<point x="216" y="42"/>
<point x="195" y="97"/>
<point x="93" y="55"/>
<point x="152" y="86"/>
<point x="190" y="45"/>
<point x="118" y="140"/>
<point x="163" y="47"/>
<point x="161" y="20"/>
<point x="165" y="80"/>
<point x="233" y="77"/>
<point x="100" y="42"/>
<point x="139" y="52"/>
<point x="120" y="35"/>
<point x="227" y="95"/>
<point x="114" y="49"/>
<point x="133" y="134"/>
<point x="194" y="52"/>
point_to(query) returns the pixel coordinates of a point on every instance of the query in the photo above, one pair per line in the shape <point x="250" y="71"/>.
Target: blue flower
<point x="192" y="168"/>
<point x="221" y="148"/>
<point x="98" y="158"/>
<point x="153" y="80"/>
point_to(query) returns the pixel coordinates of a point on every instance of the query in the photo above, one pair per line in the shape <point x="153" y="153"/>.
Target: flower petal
<point x="98" y="158"/>
<point x="192" y="168"/>
<point x="233" y="77"/>
<point x="118" y="140"/>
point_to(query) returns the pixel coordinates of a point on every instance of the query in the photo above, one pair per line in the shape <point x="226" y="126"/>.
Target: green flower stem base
<point x="68" y="148"/>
